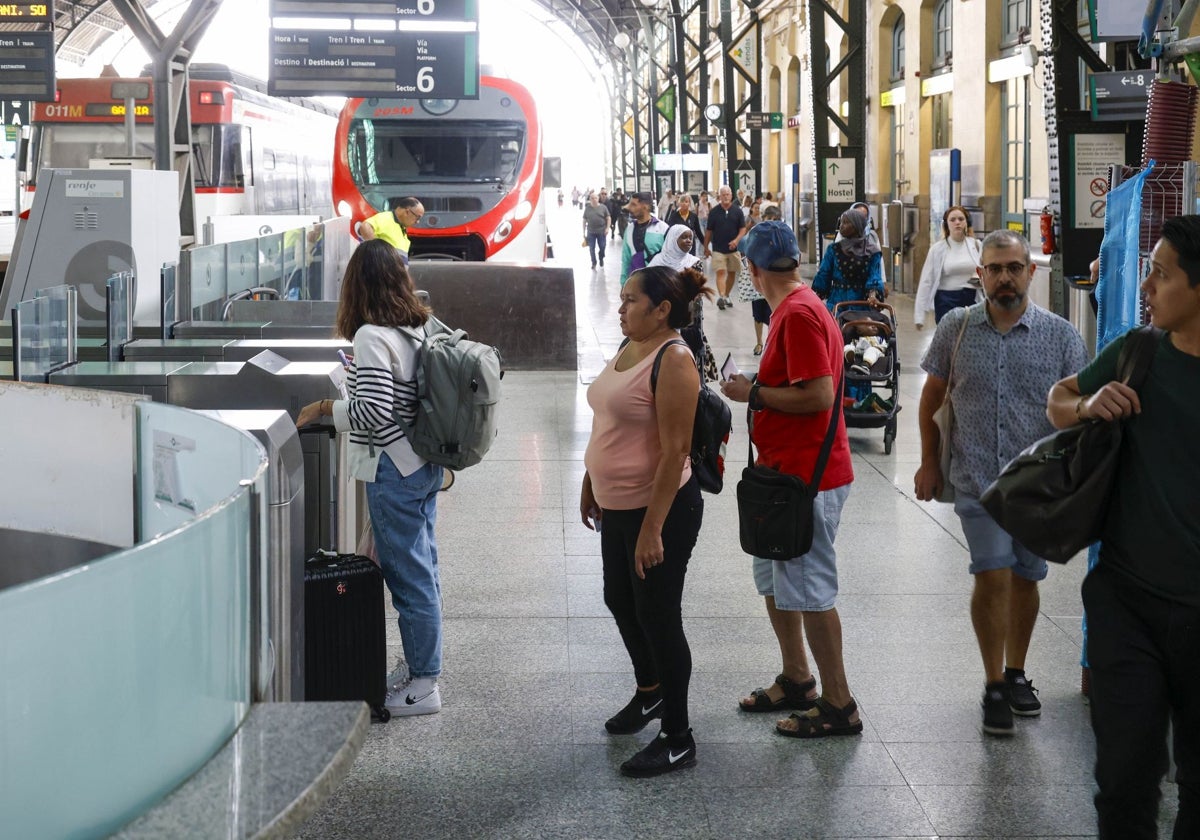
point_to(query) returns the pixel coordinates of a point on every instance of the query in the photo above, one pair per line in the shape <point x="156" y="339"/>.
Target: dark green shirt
<point x="1152" y="535"/>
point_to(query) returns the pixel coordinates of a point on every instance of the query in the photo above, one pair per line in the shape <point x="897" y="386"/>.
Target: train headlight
<point x="523" y="211"/>
<point x="438" y="107"/>
<point x="502" y="232"/>
<point x="343" y="209"/>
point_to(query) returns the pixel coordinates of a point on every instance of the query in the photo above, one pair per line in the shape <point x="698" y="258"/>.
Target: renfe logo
<point x="90" y="188"/>
<point x="399" y="111"/>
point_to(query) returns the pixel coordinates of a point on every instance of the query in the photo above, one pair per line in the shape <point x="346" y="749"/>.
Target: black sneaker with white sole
<point x="665" y="754"/>
<point x="1022" y="696"/>
<point x="643" y="708"/>
<point x="997" y="715"/>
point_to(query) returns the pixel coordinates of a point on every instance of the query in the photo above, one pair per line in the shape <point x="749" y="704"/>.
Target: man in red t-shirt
<point x="794" y="399"/>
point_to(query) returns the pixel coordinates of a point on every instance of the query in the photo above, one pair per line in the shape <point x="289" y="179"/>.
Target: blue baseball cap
<point x="771" y="245"/>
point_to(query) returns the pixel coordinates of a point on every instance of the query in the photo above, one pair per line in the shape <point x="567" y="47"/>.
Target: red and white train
<point x="476" y="166"/>
<point x="253" y="154"/>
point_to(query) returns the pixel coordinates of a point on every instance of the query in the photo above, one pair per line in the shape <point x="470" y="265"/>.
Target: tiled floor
<point x="534" y="665"/>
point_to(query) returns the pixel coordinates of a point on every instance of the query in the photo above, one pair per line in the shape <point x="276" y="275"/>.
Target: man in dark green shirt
<point x="1143" y="597"/>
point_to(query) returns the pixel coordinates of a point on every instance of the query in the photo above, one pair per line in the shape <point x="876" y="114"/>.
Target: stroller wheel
<point x="889" y="435"/>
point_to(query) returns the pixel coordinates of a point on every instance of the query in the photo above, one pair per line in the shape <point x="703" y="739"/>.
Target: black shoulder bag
<point x="1053" y="498"/>
<point x="775" y="510"/>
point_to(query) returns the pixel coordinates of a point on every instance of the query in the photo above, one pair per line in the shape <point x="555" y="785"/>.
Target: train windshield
<point x="441" y="151"/>
<point x="218" y="154"/>
<point x="74" y="146"/>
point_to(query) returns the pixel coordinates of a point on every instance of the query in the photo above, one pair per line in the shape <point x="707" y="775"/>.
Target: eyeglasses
<point x="1013" y="269"/>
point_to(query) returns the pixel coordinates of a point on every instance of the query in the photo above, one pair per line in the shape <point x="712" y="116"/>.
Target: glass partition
<point x="44" y="333"/>
<point x="206" y="272"/>
<point x="118" y="320"/>
<point x="297" y="264"/>
<point x="123" y="676"/>
<point x="242" y="266"/>
<point x="168" y="283"/>
<point x="270" y="262"/>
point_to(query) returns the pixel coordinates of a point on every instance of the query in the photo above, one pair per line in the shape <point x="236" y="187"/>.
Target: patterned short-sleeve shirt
<point x="999" y="386"/>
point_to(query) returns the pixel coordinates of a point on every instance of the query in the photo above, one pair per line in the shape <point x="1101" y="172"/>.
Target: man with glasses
<point x="392" y="225"/>
<point x="1007" y="353"/>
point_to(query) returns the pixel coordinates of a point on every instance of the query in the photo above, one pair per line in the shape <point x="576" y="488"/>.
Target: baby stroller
<point x="872" y="363"/>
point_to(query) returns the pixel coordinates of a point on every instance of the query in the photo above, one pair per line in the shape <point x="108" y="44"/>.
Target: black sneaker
<point x="997" y="715"/>
<point x="1022" y="696"/>
<point x="666" y="753"/>
<point x="643" y="708"/>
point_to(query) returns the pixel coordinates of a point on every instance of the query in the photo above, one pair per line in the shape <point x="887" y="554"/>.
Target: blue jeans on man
<point x="594" y="241"/>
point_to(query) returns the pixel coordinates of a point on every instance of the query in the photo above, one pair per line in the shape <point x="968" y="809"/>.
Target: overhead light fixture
<point x="621" y="40"/>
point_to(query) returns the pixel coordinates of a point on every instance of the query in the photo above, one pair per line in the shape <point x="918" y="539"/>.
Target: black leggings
<point x="649" y="612"/>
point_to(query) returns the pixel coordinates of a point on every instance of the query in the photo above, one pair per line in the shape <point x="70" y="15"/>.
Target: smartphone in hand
<point x="729" y="368"/>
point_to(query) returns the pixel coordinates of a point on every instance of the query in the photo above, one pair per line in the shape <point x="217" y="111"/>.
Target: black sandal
<point x="823" y="720"/>
<point x="794" y="696"/>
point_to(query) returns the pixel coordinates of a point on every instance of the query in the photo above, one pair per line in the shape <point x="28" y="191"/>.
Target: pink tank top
<point x="623" y="452"/>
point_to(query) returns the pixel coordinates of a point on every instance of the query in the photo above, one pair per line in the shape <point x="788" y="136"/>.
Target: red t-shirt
<point x="803" y="343"/>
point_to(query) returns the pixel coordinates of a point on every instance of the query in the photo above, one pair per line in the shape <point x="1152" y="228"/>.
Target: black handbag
<point x="710" y="430"/>
<point x="775" y="510"/>
<point x="1053" y="498"/>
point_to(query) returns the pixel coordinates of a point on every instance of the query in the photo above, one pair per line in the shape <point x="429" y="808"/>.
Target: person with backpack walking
<point x="1143" y="596"/>
<point x="380" y="313"/>
<point x="640" y="493"/>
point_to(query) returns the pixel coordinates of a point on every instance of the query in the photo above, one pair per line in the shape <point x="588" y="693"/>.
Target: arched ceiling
<point x="81" y="26"/>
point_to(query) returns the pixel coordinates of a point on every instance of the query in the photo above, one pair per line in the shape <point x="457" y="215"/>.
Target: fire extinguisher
<point x="1049" y="246"/>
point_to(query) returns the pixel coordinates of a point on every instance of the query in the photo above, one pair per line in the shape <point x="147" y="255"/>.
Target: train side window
<point x="232" y="171"/>
<point x="246" y="170"/>
<point x="204" y="165"/>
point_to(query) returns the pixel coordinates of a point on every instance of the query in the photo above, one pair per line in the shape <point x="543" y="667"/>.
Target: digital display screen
<point x="27" y="65"/>
<point x="105" y="109"/>
<point x="32" y="12"/>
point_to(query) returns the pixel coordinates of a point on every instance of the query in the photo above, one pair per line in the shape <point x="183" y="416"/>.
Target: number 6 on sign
<point x="425" y="7"/>
<point x="425" y="77"/>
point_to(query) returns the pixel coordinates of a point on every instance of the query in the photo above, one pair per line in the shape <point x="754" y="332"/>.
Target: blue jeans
<point x="403" y="513"/>
<point x="594" y="241"/>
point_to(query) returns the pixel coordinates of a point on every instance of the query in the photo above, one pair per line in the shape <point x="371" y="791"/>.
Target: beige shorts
<point x="731" y="263"/>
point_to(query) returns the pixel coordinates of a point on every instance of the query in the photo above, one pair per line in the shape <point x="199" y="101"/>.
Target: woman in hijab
<point x="676" y="252"/>
<point x="851" y="268"/>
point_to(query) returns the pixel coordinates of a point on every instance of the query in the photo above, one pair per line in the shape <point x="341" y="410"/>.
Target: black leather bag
<point x="775" y="510"/>
<point x="1053" y="498"/>
<point x="710" y="430"/>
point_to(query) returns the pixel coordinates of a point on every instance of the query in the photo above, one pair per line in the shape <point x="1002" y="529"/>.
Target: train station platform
<point x="534" y="664"/>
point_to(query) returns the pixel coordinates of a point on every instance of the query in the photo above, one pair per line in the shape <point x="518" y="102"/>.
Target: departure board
<point x="421" y="49"/>
<point x="27" y="65"/>
<point x="412" y="10"/>
<point x="426" y="65"/>
<point x="26" y="12"/>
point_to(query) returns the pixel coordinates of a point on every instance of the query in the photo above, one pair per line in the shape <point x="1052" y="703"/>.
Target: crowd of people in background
<point x="1011" y="369"/>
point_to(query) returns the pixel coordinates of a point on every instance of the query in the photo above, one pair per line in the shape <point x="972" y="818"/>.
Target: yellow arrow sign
<point x="629" y="127"/>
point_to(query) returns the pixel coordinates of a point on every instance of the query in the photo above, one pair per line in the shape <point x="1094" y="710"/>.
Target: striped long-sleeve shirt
<point x="381" y="381"/>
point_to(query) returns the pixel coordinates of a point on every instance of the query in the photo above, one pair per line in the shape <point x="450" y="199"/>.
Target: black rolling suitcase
<point x="344" y="649"/>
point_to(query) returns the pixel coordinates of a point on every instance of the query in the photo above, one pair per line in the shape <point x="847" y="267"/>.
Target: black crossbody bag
<point x="1053" y="498"/>
<point x="775" y="510"/>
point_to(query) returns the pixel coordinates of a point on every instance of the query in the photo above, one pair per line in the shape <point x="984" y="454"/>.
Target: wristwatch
<point x="754" y="400"/>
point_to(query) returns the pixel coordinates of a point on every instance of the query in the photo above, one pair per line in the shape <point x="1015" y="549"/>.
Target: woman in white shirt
<point x="948" y="279"/>
<point x="380" y="312"/>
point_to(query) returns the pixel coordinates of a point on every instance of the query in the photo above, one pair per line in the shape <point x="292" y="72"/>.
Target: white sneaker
<point x="414" y="698"/>
<point x="398" y="678"/>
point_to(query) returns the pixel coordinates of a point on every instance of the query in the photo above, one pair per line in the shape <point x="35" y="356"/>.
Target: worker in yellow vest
<point x="392" y="225"/>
